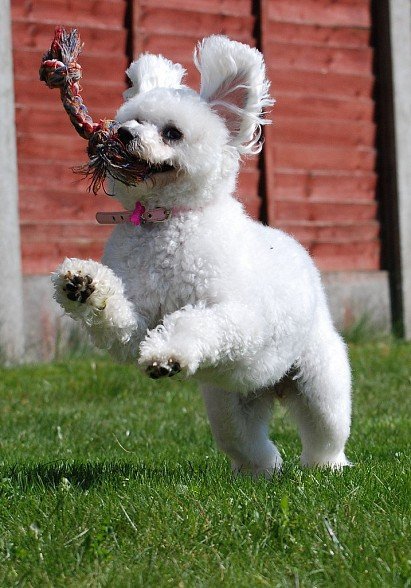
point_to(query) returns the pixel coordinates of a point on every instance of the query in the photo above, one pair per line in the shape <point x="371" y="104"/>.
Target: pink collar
<point x="139" y="216"/>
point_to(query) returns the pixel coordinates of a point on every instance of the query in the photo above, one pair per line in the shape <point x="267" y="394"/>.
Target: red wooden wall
<point x="320" y="160"/>
<point x="318" y="178"/>
<point x="57" y="213"/>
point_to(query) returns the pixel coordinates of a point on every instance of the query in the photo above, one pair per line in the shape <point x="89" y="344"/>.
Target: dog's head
<point x="193" y="141"/>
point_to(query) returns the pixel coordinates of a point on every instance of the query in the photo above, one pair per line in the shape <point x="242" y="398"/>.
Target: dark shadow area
<point x="262" y="187"/>
<point x="386" y="157"/>
<point x="85" y="475"/>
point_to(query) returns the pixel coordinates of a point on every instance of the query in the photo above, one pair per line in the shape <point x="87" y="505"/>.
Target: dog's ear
<point x="153" y="71"/>
<point x="233" y="82"/>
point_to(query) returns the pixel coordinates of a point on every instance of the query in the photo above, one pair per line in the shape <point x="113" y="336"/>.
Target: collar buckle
<point x="160" y="214"/>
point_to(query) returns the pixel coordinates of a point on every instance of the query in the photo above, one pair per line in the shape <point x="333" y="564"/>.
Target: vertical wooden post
<point x="400" y="30"/>
<point x="11" y="291"/>
<point x="392" y="23"/>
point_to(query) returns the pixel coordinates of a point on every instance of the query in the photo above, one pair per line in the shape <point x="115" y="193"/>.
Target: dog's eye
<point x="170" y="133"/>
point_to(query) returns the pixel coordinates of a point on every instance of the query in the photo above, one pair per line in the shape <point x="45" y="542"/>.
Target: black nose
<point x="125" y="135"/>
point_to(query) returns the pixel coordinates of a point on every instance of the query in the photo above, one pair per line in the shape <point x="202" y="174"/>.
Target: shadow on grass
<point x="85" y="475"/>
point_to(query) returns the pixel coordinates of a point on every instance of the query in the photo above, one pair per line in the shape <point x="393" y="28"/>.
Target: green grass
<point x="110" y="479"/>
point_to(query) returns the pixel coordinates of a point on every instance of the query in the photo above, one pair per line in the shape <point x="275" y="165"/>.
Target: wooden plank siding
<point x="318" y="180"/>
<point x="320" y="151"/>
<point x="56" y="211"/>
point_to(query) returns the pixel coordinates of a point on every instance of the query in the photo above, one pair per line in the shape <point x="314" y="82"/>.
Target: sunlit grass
<point x="110" y="479"/>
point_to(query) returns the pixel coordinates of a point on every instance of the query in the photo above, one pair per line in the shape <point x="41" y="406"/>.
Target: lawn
<point x="110" y="479"/>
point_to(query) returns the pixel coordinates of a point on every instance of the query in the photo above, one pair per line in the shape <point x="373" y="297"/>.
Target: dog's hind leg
<point x="320" y="402"/>
<point x="240" y="428"/>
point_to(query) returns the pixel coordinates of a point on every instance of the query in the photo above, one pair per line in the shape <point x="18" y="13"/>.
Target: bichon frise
<point x="189" y="283"/>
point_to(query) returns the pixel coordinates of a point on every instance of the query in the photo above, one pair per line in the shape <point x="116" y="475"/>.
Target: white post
<point x="400" y="33"/>
<point x="11" y="290"/>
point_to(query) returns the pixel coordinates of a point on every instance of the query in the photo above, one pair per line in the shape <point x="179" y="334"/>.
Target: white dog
<point x="208" y="291"/>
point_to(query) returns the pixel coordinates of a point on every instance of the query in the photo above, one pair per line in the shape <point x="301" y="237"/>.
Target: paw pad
<point x="77" y="287"/>
<point x="160" y="370"/>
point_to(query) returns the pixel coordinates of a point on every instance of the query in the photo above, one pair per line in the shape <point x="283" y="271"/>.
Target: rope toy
<point x="107" y="154"/>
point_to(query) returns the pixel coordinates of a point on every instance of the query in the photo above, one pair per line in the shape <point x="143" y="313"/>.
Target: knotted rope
<point x="107" y="154"/>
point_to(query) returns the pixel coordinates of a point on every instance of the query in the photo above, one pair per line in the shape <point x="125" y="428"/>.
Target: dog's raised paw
<point x="159" y="369"/>
<point x="77" y="287"/>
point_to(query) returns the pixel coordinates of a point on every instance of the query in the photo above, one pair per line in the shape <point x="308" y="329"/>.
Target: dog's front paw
<point x="159" y="369"/>
<point x="78" y="288"/>
<point x="83" y="286"/>
<point x="162" y="354"/>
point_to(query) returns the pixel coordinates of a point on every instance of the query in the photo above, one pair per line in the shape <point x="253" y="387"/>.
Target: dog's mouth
<point x="158" y="168"/>
<point x="108" y="156"/>
<point x="133" y="148"/>
<point x="156" y="175"/>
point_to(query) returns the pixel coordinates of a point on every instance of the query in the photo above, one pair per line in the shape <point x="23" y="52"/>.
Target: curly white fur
<point x="153" y="71"/>
<point x="236" y="305"/>
<point x="233" y="82"/>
